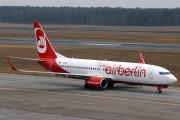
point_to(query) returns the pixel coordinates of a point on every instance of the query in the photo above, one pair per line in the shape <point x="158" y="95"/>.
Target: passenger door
<point x="151" y="73"/>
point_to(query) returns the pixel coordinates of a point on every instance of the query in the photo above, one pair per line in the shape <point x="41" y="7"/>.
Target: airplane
<point x="96" y="73"/>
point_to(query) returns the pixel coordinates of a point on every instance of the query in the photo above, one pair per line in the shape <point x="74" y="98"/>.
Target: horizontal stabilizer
<point x="26" y="58"/>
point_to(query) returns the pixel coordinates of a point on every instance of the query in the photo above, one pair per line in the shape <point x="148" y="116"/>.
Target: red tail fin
<point x="141" y="60"/>
<point x="45" y="50"/>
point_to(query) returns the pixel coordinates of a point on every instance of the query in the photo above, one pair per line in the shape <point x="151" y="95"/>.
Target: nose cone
<point x="172" y="79"/>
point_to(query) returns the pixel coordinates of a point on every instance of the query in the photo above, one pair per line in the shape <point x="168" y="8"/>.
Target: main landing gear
<point x="110" y="84"/>
<point x="86" y="86"/>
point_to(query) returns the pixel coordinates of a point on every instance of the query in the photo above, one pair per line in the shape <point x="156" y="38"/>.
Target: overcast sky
<point x="95" y="3"/>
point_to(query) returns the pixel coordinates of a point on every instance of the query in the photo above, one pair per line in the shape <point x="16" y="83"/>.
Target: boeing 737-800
<point x="97" y="73"/>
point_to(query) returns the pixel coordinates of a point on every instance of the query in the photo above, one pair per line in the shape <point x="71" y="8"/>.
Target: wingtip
<point x="141" y="60"/>
<point x="11" y="64"/>
<point x="37" y="24"/>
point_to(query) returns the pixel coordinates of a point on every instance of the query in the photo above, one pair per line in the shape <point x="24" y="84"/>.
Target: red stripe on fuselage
<point x="50" y="64"/>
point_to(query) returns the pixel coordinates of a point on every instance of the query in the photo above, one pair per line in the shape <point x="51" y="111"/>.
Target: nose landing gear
<point x="159" y="88"/>
<point x="159" y="91"/>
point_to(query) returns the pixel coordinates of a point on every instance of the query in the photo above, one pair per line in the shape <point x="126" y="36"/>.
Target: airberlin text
<point x="120" y="70"/>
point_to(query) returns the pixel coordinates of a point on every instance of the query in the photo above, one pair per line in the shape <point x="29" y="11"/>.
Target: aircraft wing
<point x="54" y="73"/>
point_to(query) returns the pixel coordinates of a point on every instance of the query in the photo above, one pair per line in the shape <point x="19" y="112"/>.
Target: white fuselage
<point x="118" y="71"/>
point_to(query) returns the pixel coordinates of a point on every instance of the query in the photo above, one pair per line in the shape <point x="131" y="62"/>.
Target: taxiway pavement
<point x="37" y="97"/>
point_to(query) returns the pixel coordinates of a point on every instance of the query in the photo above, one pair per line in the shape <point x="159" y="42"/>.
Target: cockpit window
<point x="164" y="73"/>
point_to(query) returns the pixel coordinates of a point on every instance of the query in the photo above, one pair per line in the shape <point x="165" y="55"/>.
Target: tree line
<point x="91" y="16"/>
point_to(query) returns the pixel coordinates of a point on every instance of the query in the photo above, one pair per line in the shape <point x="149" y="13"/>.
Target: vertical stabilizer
<point x="45" y="50"/>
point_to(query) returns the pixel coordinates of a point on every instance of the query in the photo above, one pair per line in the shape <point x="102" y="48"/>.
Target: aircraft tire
<point x="110" y="84"/>
<point x="159" y="91"/>
<point x="86" y="86"/>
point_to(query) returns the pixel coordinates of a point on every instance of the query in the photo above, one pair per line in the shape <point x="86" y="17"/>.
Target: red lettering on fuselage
<point x="136" y="71"/>
<point x="108" y="70"/>
<point x="101" y="65"/>
<point x="127" y="71"/>
<point x="120" y="70"/>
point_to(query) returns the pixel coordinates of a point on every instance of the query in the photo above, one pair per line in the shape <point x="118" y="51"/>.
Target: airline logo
<point x="41" y="41"/>
<point x="120" y="70"/>
<point x="100" y="64"/>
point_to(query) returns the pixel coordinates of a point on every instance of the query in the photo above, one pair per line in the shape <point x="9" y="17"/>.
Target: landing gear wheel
<point x="159" y="91"/>
<point x="86" y="86"/>
<point x="110" y="84"/>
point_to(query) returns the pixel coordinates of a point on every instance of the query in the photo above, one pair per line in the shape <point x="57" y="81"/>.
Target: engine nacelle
<point x="97" y="82"/>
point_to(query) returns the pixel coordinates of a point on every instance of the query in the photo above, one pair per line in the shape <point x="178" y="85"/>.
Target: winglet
<point x="11" y="64"/>
<point x="141" y="60"/>
<point x="37" y="25"/>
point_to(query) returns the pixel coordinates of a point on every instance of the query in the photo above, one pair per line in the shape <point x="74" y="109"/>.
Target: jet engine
<point x="96" y="82"/>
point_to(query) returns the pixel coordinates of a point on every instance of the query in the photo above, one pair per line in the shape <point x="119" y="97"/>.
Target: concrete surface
<point x="36" y="97"/>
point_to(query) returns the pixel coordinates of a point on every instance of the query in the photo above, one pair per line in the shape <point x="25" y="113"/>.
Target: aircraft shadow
<point x="80" y="87"/>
